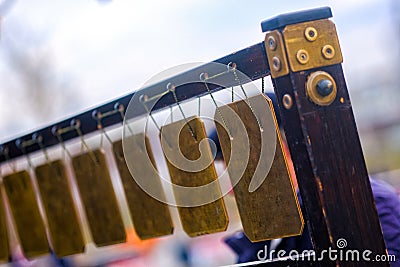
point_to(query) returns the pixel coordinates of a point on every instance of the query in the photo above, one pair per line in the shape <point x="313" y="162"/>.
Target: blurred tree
<point x="32" y="88"/>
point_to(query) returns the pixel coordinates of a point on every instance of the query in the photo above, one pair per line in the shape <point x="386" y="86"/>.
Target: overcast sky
<point x="105" y="49"/>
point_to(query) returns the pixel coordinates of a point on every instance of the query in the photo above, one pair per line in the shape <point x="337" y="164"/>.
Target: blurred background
<point x="58" y="58"/>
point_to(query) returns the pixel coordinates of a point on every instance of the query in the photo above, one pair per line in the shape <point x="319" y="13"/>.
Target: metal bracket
<point x="276" y="54"/>
<point x="311" y="45"/>
<point x="309" y="41"/>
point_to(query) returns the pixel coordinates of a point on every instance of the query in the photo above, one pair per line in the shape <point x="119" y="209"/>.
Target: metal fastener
<point x="324" y="87"/>
<point x="287" y="101"/>
<point x="276" y="63"/>
<point x="272" y="43"/>
<point x="302" y="56"/>
<point x="321" y="88"/>
<point x="311" y="34"/>
<point x="328" y="51"/>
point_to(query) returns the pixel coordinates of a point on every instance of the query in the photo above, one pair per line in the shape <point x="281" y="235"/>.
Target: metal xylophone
<point x="301" y="53"/>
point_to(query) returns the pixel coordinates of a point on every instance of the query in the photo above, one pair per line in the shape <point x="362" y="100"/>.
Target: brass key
<point x="272" y="210"/>
<point x="203" y="219"/>
<point x="151" y="218"/>
<point x="65" y="231"/>
<point x="26" y="214"/>
<point x="98" y="197"/>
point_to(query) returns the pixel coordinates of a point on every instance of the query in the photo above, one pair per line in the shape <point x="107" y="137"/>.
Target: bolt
<point x="271" y="43"/>
<point x="276" y="63"/>
<point x="311" y="34"/>
<point x="287" y="101"/>
<point x="302" y="56"/>
<point x="324" y="87"/>
<point x="328" y="52"/>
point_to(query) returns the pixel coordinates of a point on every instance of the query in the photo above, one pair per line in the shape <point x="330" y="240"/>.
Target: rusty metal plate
<point x="25" y="210"/>
<point x="276" y="54"/>
<point x="98" y="197"/>
<point x="151" y="217"/>
<point x="204" y="219"/>
<point x="272" y="210"/>
<point x="4" y="247"/>
<point x="306" y="51"/>
<point x="65" y="232"/>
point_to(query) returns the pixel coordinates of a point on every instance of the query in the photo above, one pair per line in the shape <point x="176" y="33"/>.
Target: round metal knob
<point x="324" y="87"/>
<point x="321" y="88"/>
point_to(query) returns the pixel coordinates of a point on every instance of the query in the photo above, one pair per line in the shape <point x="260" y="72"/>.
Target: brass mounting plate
<point x="322" y="47"/>
<point x="277" y="59"/>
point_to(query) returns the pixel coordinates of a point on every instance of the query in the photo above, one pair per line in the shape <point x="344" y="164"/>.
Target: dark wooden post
<point x="305" y="61"/>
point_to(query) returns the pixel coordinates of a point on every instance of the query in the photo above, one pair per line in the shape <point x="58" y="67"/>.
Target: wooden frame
<point x="323" y="141"/>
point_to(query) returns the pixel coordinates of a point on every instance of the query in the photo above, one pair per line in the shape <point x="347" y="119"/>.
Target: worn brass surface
<point x="311" y="88"/>
<point x="4" y="248"/>
<point x="65" y="232"/>
<point x="98" y="197"/>
<point x="322" y="47"/>
<point x="277" y="59"/>
<point x="24" y="207"/>
<point x="272" y="210"/>
<point x="208" y="218"/>
<point x="151" y="218"/>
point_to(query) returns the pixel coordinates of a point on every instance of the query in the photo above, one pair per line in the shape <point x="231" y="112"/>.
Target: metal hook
<point x="171" y="88"/>
<point x="232" y="66"/>
<point x="245" y="94"/>
<point x="22" y="145"/>
<point x="98" y="116"/>
<point x="229" y="69"/>
<point x="204" y="77"/>
<point x="76" y="124"/>
<point x="121" y="109"/>
<point x="58" y="133"/>
<point x="39" y="140"/>
<point x="143" y="99"/>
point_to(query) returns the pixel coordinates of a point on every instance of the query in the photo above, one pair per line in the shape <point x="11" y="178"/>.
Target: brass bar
<point x="151" y="217"/>
<point x="26" y="214"/>
<point x="272" y="210"/>
<point x="98" y="197"/>
<point x="204" y="219"/>
<point x="65" y="232"/>
<point x="4" y="247"/>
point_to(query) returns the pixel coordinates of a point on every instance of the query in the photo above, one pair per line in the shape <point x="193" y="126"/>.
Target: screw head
<point x="324" y="87"/>
<point x="311" y="34"/>
<point x="302" y="56"/>
<point x="276" y="64"/>
<point x="328" y="52"/>
<point x="272" y="43"/>
<point x="287" y="101"/>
